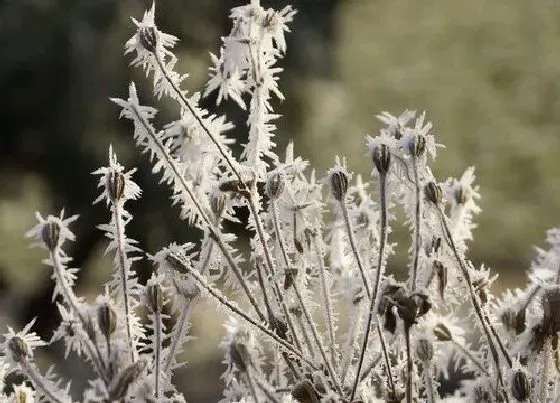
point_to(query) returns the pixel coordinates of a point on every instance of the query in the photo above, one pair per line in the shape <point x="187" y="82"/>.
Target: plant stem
<point x="124" y="268"/>
<point x="545" y="368"/>
<point x="374" y="298"/>
<point x="417" y="223"/>
<point x="40" y="383"/>
<point x="409" y="365"/>
<point x="157" y="353"/>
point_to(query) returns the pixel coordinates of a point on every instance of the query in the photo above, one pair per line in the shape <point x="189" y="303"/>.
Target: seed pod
<point x="425" y="350"/>
<point x="442" y="333"/>
<point x="551" y="308"/>
<point x="303" y="392"/>
<point x="148" y="38"/>
<point x="154" y="297"/>
<point x="18" y="349"/>
<point x="275" y="186"/>
<point x="381" y="156"/>
<point x="290" y="275"/>
<point x="120" y="385"/>
<point x="520" y="387"/>
<point x="433" y="193"/>
<point x="115" y="185"/>
<point x="441" y="274"/>
<point x="339" y="184"/>
<point x="50" y="234"/>
<point x="106" y="319"/>
<point x="417" y="145"/>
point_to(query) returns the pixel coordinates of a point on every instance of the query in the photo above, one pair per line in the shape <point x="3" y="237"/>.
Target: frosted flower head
<point x="19" y="346"/>
<point x="395" y="125"/>
<point x="418" y="140"/>
<point x="148" y="41"/>
<point x="52" y="231"/>
<point x="338" y="178"/>
<point x="117" y="184"/>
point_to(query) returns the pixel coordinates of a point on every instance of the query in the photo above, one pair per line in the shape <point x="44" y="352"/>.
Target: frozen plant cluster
<point x="314" y="315"/>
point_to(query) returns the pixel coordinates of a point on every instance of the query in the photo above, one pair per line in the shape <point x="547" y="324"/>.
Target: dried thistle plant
<point x="285" y="338"/>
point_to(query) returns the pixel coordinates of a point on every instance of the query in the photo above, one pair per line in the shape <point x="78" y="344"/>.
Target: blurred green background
<point x="486" y="72"/>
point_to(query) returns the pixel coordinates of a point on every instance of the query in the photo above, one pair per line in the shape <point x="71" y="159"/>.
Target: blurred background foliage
<point x="486" y="72"/>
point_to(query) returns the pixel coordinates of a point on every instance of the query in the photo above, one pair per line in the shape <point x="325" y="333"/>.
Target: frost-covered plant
<point x="314" y="315"/>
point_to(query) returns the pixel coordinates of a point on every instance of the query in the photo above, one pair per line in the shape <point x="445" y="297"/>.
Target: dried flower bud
<point x="417" y="145"/>
<point x="51" y="234"/>
<point x="551" y="308"/>
<point x="462" y="194"/>
<point x="115" y="185"/>
<point x="442" y="333"/>
<point x="520" y="387"/>
<point x="381" y="156"/>
<point x="339" y="184"/>
<point x="303" y="392"/>
<point x="433" y="193"/>
<point x="176" y="263"/>
<point x="425" y="350"/>
<point x="290" y="275"/>
<point x="441" y="274"/>
<point x="154" y="296"/>
<point x="275" y="186"/>
<point x="18" y="349"/>
<point x="148" y="38"/>
<point x="239" y="355"/>
<point x="120" y="385"/>
<point x="107" y="320"/>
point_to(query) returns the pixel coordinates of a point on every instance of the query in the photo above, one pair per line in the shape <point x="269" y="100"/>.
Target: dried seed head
<point x="275" y="185"/>
<point x="442" y="333"/>
<point x="50" y="234"/>
<point x="520" y="387"/>
<point x="551" y="308"/>
<point x="107" y="319"/>
<point x="417" y="145"/>
<point x="433" y="193"/>
<point x="154" y="296"/>
<point x="339" y="184"/>
<point x="381" y="156"/>
<point x="120" y="385"/>
<point x="18" y="349"/>
<point x="148" y="38"/>
<point x="115" y="185"/>
<point x="425" y="350"/>
<point x="303" y="392"/>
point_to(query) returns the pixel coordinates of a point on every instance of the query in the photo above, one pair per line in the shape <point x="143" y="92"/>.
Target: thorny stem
<point x="70" y="299"/>
<point x="409" y="365"/>
<point x="327" y="298"/>
<point x="474" y="299"/>
<point x="354" y="247"/>
<point x="213" y="231"/>
<point x="499" y="340"/>
<point x="123" y="266"/>
<point x="281" y="301"/>
<point x="375" y="296"/>
<point x="39" y="382"/>
<point x="417" y="223"/>
<point x="236" y="310"/>
<point x="157" y="353"/>
<point x="430" y="392"/>
<point x="545" y="368"/>
<point x="318" y="341"/>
